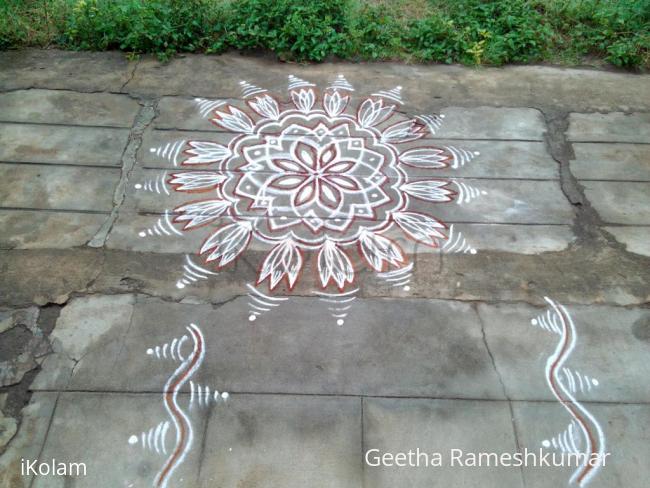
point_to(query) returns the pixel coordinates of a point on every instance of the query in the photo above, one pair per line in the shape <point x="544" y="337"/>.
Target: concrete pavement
<point x="122" y="348"/>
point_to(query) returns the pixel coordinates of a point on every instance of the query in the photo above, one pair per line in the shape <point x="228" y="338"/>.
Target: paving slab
<point x="248" y="440"/>
<point x="478" y="201"/>
<point x="56" y="69"/>
<point x="492" y="123"/>
<point x="104" y="431"/>
<point x="68" y="271"/>
<point x="618" y="364"/>
<point x="497" y="159"/>
<point x="57" y="187"/>
<point x="131" y="233"/>
<point x="33" y="229"/>
<point x="572" y="89"/>
<point x="587" y="276"/>
<point x="68" y="107"/>
<point x="459" y="122"/>
<point x="402" y="425"/>
<point x="626" y="437"/>
<point x="620" y="202"/>
<point x="436" y="349"/>
<point x="30" y="143"/>
<point x="86" y="327"/>
<point x="290" y="441"/>
<point x="609" y="127"/>
<point x="29" y="440"/>
<point x="620" y="162"/>
<point x="636" y="239"/>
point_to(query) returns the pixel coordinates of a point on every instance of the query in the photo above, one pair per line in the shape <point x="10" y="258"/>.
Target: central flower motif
<point x="316" y="174"/>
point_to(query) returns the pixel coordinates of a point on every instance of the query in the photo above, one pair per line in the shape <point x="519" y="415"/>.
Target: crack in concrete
<point x="142" y="121"/>
<point x="587" y="221"/>
<point x="206" y="424"/>
<point x="47" y="434"/>
<point x="503" y="386"/>
<point x="344" y="395"/>
<point x="126" y="334"/>
<point x="132" y="75"/>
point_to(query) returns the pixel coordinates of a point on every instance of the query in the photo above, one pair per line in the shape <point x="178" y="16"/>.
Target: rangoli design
<point x="313" y="175"/>
<point x="188" y="351"/>
<point x="584" y="436"/>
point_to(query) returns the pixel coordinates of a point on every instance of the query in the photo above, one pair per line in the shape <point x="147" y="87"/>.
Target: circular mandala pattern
<point x="314" y="173"/>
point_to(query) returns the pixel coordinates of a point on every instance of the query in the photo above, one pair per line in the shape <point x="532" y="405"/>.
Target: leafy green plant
<point x="434" y="38"/>
<point x="473" y="32"/>
<point x="375" y="33"/>
<point x="160" y="26"/>
<point x="295" y="29"/>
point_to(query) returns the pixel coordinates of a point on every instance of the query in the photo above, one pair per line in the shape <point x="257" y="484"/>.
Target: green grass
<point x="448" y="31"/>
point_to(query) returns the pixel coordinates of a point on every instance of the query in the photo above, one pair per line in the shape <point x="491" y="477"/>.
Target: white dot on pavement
<point x="150" y="351"/>
<point x="340" y="322"/>
<point x="225" y="395"/>
<point x="534" y="321"/>
<point x="477" y="153"/>
<point x="180" y="285"/>
<point x="407" y="288"/>
<point x="546" y="443"/>
<point x="133" y="439"/>
<point x="138" y="186"/>
<point x="142" y="234"/>
<point x="594" y="382"/>
<point x="252" y="317"/>
<point x="472" y="251"/>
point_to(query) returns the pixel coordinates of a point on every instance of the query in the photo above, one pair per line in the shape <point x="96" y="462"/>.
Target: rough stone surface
<point x="57" y="188"/>
<point x="30" y="143"/>
<point x="68" y="107"/>
<point x="28" y="441"/>
<point x="8" y="427"/>
<point x="577" y="90"/>
<point x="23" y="344"/>
<point x="610" y="127"/>
<point x="31" y="229"/>
<point x="86" y="324"/>
<point x="620" y="162"/>
<point x="78" y="269"/>
<point x="53" y="69"/>
<point x="636" y="239"/>
<point x="620" y="202"/>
